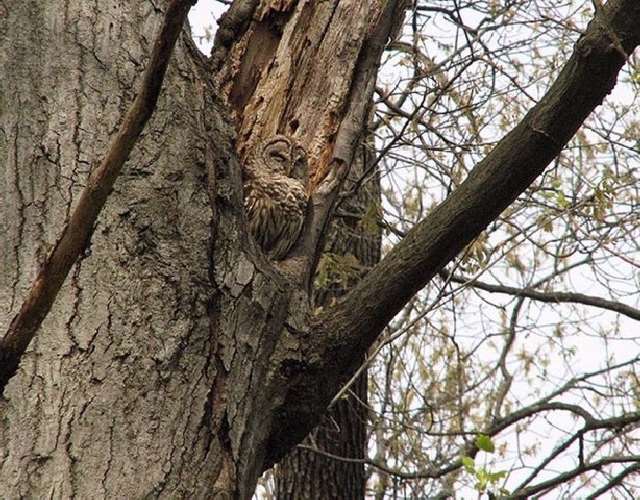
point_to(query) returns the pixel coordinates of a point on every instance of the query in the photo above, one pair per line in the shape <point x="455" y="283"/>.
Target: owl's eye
<point x="279" y="158"/>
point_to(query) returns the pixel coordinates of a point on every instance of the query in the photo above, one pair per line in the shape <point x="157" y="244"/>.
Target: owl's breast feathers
<point x="275" y="207"/>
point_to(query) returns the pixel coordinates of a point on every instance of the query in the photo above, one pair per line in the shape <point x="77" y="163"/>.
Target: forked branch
<point x="342" y="334"/>
<point x="516" y="161"/>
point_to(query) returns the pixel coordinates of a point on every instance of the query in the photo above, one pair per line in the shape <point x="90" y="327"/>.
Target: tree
<point x="177" y="361"/>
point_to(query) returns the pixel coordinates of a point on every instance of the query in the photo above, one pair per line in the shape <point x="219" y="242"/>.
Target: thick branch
<point x="342" y="334"/>
<point x="520" y="157"/>
<point x="231" y="26"/>
<point x="76" y="235"/>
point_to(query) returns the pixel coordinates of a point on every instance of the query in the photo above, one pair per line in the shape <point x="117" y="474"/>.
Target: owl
<point x="275" y="199"/>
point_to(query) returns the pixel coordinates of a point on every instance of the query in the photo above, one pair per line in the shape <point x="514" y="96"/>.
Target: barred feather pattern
<point x="274" y="202"/>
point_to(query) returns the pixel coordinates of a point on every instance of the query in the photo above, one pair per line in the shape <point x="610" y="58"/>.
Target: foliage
<point x="484" y="479"/>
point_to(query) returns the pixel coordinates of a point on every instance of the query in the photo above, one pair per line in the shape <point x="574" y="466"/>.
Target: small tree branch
<point x="418" y="474"/>
<point x="76" y="235"/>
<point x="566" y="476"/>
<point x="552" y="297"/>
<point x="614" y="481"/>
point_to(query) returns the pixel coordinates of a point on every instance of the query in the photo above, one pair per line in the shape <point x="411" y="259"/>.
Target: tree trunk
<point x="113" y="397"/>
<point x="163" y="367"/>
<point x="308" y="475"/>
<point x="304" y="474"/>
<point x="292" y="68"/>
<point x="177" y="361"/>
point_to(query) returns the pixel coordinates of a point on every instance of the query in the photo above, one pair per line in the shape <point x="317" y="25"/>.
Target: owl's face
<point x="277" y="156"/>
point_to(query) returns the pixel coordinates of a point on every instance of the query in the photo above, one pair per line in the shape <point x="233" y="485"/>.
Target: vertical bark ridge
<point x="304" y="474"/>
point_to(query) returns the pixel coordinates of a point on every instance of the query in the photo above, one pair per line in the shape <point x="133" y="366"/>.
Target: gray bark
<point x="111" y="398"/>
<point x="163" y="366"/>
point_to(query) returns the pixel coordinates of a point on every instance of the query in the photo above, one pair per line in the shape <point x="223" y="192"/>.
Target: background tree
<point x="169" y="365"/>
<point x="353" y="247"/>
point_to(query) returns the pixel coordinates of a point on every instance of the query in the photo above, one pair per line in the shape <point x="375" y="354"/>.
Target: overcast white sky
<point x="202" y="16"/>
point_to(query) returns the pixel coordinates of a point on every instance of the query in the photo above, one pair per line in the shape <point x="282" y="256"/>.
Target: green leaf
<point x="469" y="464"/>
<point x="494" y="477"/>
<point x="484" y="443"/>
<point x="483" y="480"/>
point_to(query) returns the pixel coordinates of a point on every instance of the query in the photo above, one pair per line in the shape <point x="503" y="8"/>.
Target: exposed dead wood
<point x="307" y="69"/>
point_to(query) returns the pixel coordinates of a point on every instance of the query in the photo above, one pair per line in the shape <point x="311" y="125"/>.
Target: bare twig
<point x="551" y="296"/>
<point x="576" y="471"/>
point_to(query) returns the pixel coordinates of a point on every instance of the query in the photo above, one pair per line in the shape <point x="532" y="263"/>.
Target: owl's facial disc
<point x="279" y="162"/>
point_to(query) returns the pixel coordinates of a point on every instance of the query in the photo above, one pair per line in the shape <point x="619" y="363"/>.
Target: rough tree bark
<point x="110" y="399"/>
<point x="177" y="362"/>
<point x="126" y="389"/>
<point x="76" y="234"/>
<point x="304" y="69"/>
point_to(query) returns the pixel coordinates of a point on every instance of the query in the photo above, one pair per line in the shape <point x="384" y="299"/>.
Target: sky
<point x="203" y="16"/>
